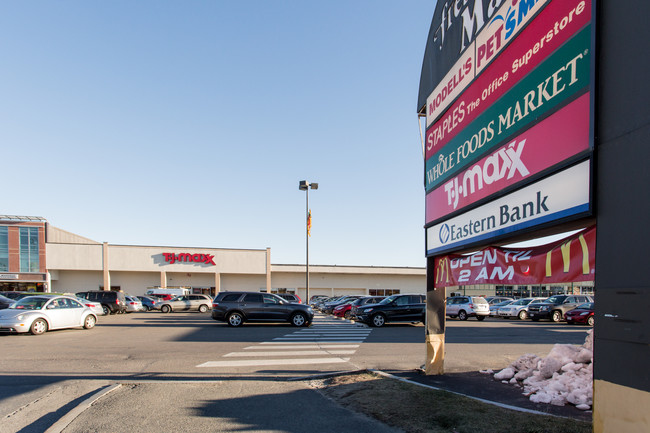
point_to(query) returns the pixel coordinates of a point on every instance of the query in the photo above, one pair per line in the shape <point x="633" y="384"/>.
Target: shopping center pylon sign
<point x="569" y="260"/>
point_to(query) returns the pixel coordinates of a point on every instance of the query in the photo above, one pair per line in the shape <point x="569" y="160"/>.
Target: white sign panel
<point x="562" y="195"/>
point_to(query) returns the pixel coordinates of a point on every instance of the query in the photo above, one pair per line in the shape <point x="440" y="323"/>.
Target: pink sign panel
<point x="555" y="24"/>
<point x="558" y="137"/>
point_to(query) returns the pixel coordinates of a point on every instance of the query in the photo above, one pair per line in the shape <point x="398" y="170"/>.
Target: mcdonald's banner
<point x="571" y="259"/>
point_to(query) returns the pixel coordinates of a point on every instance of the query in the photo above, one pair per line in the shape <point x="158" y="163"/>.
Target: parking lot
<point x="154" y="346"/>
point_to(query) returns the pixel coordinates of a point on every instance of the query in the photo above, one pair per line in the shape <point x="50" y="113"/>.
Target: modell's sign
<point x="569" y="260"/>
<point x="467" y="35"/>
<point x="206" y="259"/>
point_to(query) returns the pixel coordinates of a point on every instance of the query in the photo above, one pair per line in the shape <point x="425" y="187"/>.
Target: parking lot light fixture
<point x="306" y="186"/>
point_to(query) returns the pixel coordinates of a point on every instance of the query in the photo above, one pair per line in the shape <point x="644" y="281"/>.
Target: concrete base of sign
<point x="629" y="414"/>
<point x="435" y="362"/>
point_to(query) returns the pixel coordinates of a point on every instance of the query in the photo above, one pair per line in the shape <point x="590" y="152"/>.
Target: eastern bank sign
<point x="511" y="104"/>
<point x="563" y="195"/>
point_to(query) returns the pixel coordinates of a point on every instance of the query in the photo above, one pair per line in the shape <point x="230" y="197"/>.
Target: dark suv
<point x="235" y="308"/>
<point x="556" y="306"/>
<point x="112" y="302"/>
<point x="396" y="308"/>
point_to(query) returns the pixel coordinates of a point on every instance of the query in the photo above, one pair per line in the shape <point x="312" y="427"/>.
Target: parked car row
<point x="572" y="308"/>
<point x="375" y="310"/>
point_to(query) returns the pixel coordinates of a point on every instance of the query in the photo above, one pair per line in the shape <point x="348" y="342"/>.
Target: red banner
<point x="572" y="259"/>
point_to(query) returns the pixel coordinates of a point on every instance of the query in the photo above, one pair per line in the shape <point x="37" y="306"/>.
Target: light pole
<point x="305" y="186"/>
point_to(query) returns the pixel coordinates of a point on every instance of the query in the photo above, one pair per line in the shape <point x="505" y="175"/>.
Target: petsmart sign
<point x="562" y="195"/>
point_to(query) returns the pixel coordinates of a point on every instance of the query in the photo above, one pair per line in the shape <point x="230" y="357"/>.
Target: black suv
<point x="396" y="308"/>
<point x="236" y="308"/>
<point x="112" y="302"/>
<point x="555" y="307"/>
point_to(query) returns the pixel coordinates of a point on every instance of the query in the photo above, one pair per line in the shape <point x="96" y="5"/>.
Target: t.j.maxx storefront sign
<point x="206" y="259"/>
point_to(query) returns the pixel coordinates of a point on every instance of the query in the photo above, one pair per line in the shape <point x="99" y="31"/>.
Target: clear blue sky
<point x="190" y="123"/>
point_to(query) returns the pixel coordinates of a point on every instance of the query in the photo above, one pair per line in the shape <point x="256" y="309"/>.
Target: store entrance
<point x="16" y="286"/>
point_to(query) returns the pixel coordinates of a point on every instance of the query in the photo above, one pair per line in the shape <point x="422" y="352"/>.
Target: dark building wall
<point x="622" y="194"/>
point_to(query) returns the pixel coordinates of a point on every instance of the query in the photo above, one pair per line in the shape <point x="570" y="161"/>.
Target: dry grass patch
<point x="412" y="408"/>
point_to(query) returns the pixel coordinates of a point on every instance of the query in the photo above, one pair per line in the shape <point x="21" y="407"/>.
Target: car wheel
<point x="298" y="319"/>
<point x="145" y="308"/>
<point x="523" y="315"/>
<point x="39" y="326"/>
<point x="378" y="320"/>
<point x="479" y="318"/>
<point x="556" y="316"/>
<point x="235" y="319"/>
<point x="462" y="315"/>
<point x="166" y="309"/>
<point x="89" y="321"/>
<point x="347" y="315"/>
<point x="203" y="308"/>
<point x="107" y="310"/>
<point x="590" y="321"/>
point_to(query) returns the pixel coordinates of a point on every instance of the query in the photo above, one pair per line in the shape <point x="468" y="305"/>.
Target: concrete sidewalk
<point x="219" y="406"/>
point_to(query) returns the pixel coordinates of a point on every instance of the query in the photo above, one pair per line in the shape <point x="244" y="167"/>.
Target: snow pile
<point x="564" y="376"/>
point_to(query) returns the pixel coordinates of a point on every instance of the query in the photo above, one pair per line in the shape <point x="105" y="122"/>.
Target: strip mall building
<point x="36" y="256"/>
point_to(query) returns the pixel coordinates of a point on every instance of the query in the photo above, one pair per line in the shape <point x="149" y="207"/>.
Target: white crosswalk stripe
<point x="318" y="344"/>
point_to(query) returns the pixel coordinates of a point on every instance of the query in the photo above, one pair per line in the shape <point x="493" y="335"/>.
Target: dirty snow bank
<point x="564" y="376"/>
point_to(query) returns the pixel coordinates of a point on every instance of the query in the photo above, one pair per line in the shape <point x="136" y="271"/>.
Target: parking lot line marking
<point x="303" y="346"/>
<point x="321" y="339"/>
<point x="265" y="362"/>
<point x="291" y="353"/>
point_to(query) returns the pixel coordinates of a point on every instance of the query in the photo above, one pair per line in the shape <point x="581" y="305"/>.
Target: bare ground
<point x="412" y="408"/>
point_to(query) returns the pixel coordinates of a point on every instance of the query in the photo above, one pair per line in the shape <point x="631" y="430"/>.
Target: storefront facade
<point x="78" y="264"/>
<point x="22" y="253"/>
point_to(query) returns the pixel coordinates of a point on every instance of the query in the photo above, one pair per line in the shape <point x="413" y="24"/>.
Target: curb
<point x="494" y="403"/>
<point x="65" y="421"/>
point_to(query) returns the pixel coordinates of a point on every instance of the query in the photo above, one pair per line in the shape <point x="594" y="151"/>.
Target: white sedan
<point x="38" y="314"/>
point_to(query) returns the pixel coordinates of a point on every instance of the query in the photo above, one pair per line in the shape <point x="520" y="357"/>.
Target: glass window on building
<point x="29" y="249"/>
<point x="4" y="249"/>
<point x="383" y="292"/>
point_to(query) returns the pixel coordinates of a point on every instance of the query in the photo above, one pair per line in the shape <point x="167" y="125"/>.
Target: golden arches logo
<point x="565" y="248"/>
<point x="443" y="271"/>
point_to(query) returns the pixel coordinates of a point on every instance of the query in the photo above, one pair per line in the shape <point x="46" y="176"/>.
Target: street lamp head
<point x="304" y="185"/>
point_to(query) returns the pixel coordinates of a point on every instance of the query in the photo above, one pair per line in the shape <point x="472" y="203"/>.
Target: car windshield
<point x="501" y="304"/>
<point x="30" y="303"/>
<point x="555" y="299"/>
<point x="521" y="302"/>
<point x="388" y="300"/>
<point x="586" y="306"/>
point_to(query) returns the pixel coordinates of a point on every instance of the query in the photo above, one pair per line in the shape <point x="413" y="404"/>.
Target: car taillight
<point x="214" y="304"/>
<point x="471" y="305"/>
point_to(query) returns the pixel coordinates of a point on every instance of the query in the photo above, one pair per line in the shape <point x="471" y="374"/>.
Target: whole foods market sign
<point x="563" y="195"/>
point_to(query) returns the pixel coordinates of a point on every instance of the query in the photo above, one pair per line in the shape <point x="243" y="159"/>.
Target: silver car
<point x="133" y="304"/>
<point x="519" y="308"/>
<point x="200" y="303"/>
<point x="467" y="306"/>
<point x="38" y="314"/>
